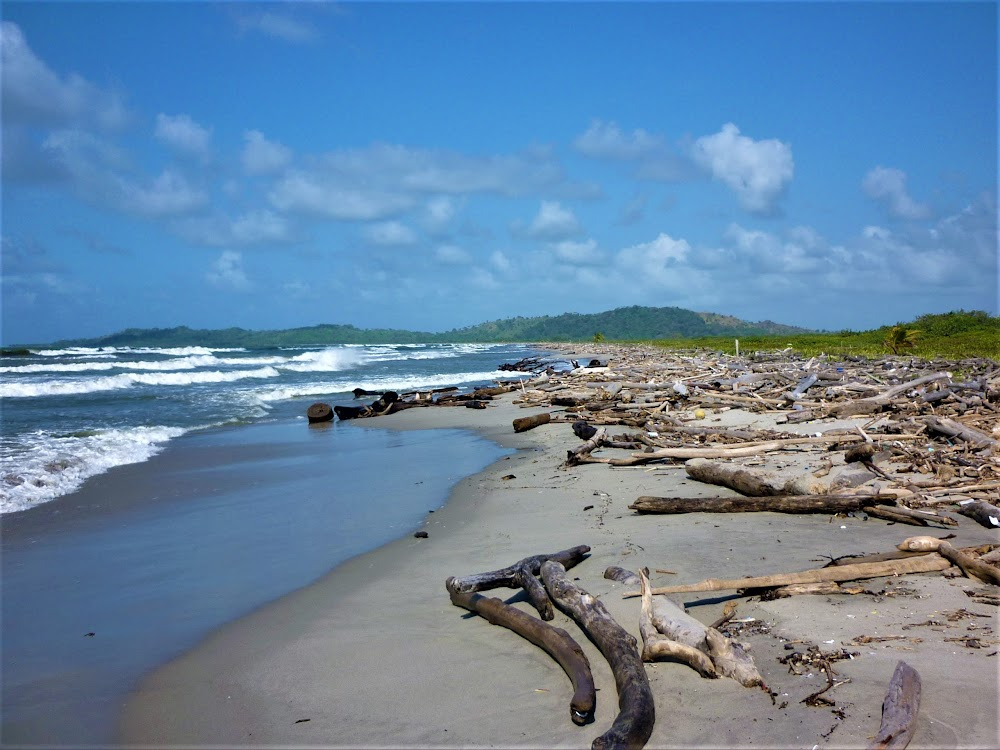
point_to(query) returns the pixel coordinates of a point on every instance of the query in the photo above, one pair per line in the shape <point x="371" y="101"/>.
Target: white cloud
<point x="278" y="26"/>
<point x="438" y="213"/>
<point x="553" y="222"/>
<point x="227" y="272"/>
<point x="452" y="255"/>
<point x="887" y="185"/>
<point x="261" y="156"/>
<point x="183" y="135"/>
<point x="656" y="255"/>
<point x="500" y="261"/>
<point x="757" y="171"/>
<point x="169" y="194"/>
<point x="605" y="140"/>
<point x="305" y="193"/>
<point x="257" y="227"/>
<point x="34" y="93"/>
<point x="390" y="233"/>
<point x="585" y="252"/>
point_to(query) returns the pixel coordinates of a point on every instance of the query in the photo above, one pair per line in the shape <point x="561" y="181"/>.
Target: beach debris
<point x="319" y="412"/>
<point x="523" y="424"/>
<point x="971" y="566"/>
<point x="814" y="658"/>
<point x="669" y="632"/>
<point x="984" y="513"/>
<point x="899" y="709"/>
<point x="521" y="575"/>
<point x="775" y="504"/>
<point x="553" y="640"/>
<point x="420" y="535"/>
<point x="615" y="573"/>
<point x="634" y="723"/>
<point x="376" y="408"/>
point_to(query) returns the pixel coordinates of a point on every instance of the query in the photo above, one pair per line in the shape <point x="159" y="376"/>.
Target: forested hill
<point x="624" y="324"/>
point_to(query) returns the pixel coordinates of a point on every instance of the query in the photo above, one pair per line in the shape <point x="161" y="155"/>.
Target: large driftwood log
<point x="981" y="512"/>
<point x="554" y="641"/>
<point x="972" y="567"/>
<point x="772" y="504"/>
<point x="874" y="403"/>
<point x="737" y="451"/>
<point x="951" y="428"/>
<point x="657" y="646"/>
<point x="899" y="710"/>
<point x="727" y="657"/>
<point x="516" y="575"/>
<point x="917" y="564"/>
<point x="523" y="424"/>
<point x="634" y="723"/>
<point x="750" y="481"/>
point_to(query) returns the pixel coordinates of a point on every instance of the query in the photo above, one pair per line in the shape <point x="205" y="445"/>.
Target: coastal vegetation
<point x="953" y="335"/>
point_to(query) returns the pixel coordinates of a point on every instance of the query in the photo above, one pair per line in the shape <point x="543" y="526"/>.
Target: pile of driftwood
<point x="391" y="402"/>
<point x="669" y="633"/>
<point x="931" y="437"/>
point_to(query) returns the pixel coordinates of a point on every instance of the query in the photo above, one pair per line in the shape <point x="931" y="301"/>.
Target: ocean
<point x="149" y="496"/>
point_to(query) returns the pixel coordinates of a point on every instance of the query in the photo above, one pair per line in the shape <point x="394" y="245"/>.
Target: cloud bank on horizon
<point x="430" y="166"/>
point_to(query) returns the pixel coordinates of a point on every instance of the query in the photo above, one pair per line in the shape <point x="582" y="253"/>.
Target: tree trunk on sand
<point x="982" y="513"/>
<point x="634" y="723"/>
<point x="735" y="451"/>
<point x="773" y="504"/>
<point x="582" y="451"/>
<point x="657" y="646"/>
<point x="523" y="424"/>
<point x="752" y="482"/>
<point x="507" y="577"/>
<point x="899" y="710"/>
<point x="917" y="564"/>
<point x="554" y="641"/>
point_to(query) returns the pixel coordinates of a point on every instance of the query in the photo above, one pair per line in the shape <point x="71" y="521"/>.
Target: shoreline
<point x="373" y="654"/>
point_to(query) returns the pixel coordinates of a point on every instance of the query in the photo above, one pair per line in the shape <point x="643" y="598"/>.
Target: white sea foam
<point x="325" y="360"/>
<point x="389" y="383"/>
<point x="176" y="351"/>
<point x="127" y="380"/>
<point x="38" y="467"/>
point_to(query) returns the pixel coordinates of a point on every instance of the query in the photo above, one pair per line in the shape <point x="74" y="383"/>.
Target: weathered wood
<point x="634" y="723"/>
<point x="752" y="482"/>
<point x="523" y="424"/>
<point x="582" y="451"/>
<point x="535" y="591"/>
<point x="821" y="588"/>
<point x="951" y="428"/>
<point x="657" y="646"/>
<point x="899" y="710"/>
<point x="736" y="451"/>
<point x="981" y="512"/>
<point x="553" y="640"/>
<point x="857" y="571"/>
<point x="972" y="567"/>
<point x="507" y="577"/>
<point x="615" y="573"/>
<point x="319" y="412"/>
<point x="771" y="504"/>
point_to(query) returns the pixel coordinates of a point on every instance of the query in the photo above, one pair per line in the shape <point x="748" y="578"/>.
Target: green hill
<point x="623" y="324"/>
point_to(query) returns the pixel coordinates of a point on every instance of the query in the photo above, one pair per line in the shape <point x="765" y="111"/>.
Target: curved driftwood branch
<point x="554" y="641"/>
<point x="583" y="451"/>
<point x="634" y="723"/>
<point x="899" y="710"/>
<point x="496" y="579"/>
<point x="657" y="646"/>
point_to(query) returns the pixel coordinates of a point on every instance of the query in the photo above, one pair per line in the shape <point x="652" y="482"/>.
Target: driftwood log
<point x="899" y="710"/>
<point x="981" y="512"/>
<point x="737" y="451"/>
<point x="578" y="454"/>
<point x="634" y="723"/>
<point x="750" y="481"/>
<point x="656" y="646"/>
<point x="523" y="424"/>
<point x="517" y="575"/>
<point x="773" y="504"/>
<point x="554" y="641"/>
<point x="916" y="564"/>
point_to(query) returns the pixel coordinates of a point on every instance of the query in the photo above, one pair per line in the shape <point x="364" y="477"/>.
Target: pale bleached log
<point x="657" y="646"/>
<point x="857" y="571"/>
<point x="737" y="451"/>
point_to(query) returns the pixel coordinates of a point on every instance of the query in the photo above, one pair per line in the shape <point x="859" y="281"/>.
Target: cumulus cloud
<point x="887" y="185"/>
<point x="261" y="156"/>
<point x="757" y="171"/>
<point x="438" y="214"/>
<point x="168" y="194"/>
<point x="553" y="222"/>
<point x="390" y="233"/>
<point x="183" y="135"/>
<point x="227" y="272"/>
<point x="605" y="140"/>
<point x="33" y="93"/>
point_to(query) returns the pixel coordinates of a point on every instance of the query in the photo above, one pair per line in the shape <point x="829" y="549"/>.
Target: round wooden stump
<point x="319" y="412"/>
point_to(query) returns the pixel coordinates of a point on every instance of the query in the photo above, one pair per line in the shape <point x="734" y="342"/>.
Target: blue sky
<point x="429" y="166"/>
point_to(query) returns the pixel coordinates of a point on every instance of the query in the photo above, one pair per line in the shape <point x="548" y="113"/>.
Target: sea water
<point x="151" y="495"/>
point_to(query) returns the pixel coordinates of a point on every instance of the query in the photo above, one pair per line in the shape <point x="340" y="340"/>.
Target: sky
<point x="429" y="166"/>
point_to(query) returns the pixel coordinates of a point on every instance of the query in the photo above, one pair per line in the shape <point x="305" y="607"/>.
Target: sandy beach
<point x="375" y="655"/>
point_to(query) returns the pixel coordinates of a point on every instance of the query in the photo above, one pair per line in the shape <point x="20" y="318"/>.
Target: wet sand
<point x="375" y="655"/>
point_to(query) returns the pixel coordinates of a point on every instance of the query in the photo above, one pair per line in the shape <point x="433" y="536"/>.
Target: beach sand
<point x="375" y="655"/>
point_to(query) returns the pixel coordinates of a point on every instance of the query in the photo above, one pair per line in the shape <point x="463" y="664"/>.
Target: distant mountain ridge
<point x="622" y="324"/>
